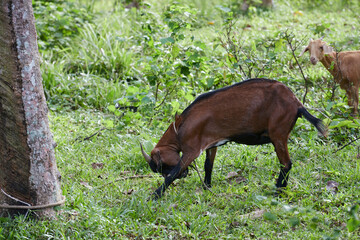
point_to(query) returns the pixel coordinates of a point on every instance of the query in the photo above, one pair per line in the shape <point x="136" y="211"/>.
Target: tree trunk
<point x="28" y="172"/>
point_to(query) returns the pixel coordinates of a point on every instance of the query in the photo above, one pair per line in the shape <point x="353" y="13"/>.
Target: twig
<point x="29" y="206"/>
<point x="207" y="188"/>
<point x="124" y="178"/>
<point x="320" y="111"/>
<point x="347" y="145"/>
<point x="231" y="48"/>
<point x="293" y="49"/>
<point x="167" y="93"/>
<point x="157" y="91"/>
<point x="92" y="135"/>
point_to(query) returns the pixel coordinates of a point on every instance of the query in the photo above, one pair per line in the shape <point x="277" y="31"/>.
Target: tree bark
<point x="28" y="169"/>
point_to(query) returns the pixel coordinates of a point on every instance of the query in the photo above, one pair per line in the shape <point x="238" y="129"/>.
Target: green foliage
<point x="58" y="21"/>
<point x="354" y="221"/>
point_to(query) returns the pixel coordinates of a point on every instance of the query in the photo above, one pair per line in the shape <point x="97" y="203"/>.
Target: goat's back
<point x="249" y="106"/>
<point x="350" y="65"/>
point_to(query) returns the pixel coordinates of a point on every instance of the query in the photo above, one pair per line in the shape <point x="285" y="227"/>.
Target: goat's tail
<point x="313" y="120"/>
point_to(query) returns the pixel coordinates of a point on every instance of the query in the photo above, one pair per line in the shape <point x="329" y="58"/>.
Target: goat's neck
<point x="331" y="63"/>
<point x="170" y="139"/>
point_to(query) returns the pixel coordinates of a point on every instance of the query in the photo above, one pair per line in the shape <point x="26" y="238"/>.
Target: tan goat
<point x="344" y="66"/>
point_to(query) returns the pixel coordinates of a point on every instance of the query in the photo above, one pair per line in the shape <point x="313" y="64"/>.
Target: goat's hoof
<point x="206" y="186"/>
<point x="154" y="197"/>
<point x="183" y="174"/>
<point x="279" y="191"/>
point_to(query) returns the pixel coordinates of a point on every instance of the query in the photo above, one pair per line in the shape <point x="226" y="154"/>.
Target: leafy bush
<point x="58" y="21"/>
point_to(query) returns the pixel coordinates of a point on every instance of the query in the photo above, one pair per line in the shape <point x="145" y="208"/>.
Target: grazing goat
<point x="344" y="66"/>
<point x="253" y="112"/>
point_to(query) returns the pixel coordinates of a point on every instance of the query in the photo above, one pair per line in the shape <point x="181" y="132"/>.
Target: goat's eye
<point x="321" y="48"/>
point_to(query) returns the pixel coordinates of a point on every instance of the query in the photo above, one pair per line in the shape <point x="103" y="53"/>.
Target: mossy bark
<point x="28" y="169"/>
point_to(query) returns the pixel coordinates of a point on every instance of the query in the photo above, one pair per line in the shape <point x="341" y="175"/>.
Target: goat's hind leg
<point x="284" y="158"/>
<point x="209" y="163"/>
<point x="355" y="99"/>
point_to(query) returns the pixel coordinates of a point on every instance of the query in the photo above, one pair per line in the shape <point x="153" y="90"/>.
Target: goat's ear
<point x="156" y="152"/>
<point x="327" y="49"/>
<point x="303" y="51"/>
<point x="158" y="155"/>
<point x="177" y="116"/>
<point x="175" y="128"/>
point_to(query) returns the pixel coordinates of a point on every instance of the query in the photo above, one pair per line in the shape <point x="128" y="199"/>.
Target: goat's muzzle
<point x="313" y="60"/>
<point x="146" y="156"/>
<point x="184" y="173"/>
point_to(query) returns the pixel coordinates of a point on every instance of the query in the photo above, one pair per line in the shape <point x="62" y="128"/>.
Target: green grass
<point x="105" y="203"/>
<point x="115" y="57"/>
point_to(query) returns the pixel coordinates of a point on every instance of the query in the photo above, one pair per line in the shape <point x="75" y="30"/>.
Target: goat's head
<point x="317" y="49"/>
<point x="163" y="160"/>
<point x="166" y="155"/>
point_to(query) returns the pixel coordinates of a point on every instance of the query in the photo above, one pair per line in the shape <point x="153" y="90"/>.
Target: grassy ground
<point x="114" y="58"/>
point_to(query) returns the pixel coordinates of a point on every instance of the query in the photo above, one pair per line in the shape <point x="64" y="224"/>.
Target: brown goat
<point x="343" y="66"/>
<point x="253" y="112"/>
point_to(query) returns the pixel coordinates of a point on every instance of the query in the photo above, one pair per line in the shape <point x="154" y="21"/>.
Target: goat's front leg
<point x="177" y="172"/>
<point x="168" y="180"/>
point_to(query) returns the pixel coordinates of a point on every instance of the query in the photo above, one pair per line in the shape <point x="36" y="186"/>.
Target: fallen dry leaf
<point x="332" y="186"/>
<point x="253" y="215"/>
<point x="173" y="206"/>
<point x="234" y="224"/>
<point x="199" y="190"/>
<point x="240" y="179"/>
<point x="85" y="184"/>
<point x="231" y="175"/>
<point x="129" y="192"/>
<point x="97" y="165"/>
<point x="187" y="224"/>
